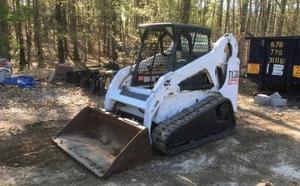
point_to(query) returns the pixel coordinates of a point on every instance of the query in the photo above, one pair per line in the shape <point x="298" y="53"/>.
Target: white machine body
<point x="166" y="99"/>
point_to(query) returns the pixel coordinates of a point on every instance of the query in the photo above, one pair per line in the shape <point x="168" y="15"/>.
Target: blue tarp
<point x="20" y="81"/>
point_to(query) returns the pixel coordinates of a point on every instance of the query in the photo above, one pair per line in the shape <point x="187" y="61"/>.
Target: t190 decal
<point x="233" y="77"/>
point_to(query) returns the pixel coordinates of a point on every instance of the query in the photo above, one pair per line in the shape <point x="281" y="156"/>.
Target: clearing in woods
<point x="265" y="147"/>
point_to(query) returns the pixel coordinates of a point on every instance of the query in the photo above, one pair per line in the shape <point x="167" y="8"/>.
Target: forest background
<point x="35" y="33"/>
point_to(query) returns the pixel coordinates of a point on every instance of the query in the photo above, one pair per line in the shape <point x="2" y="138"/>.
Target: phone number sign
<point x="276" y="58"/>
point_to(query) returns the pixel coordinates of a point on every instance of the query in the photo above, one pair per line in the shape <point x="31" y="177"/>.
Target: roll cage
<point x="165" y="47"/>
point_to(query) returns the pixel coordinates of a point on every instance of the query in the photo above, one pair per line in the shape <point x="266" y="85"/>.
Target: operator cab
<point x="166" y="47"/>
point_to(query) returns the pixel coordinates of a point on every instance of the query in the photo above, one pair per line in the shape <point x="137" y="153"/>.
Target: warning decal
<point x="253" y="68"/>
<point x="296" y="71"/>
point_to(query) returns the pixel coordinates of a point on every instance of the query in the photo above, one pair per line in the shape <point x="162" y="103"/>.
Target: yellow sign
<point x="296" y="71"/>
<point x="253" y="68"/>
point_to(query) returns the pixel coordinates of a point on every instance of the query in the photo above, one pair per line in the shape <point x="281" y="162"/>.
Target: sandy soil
<point x="263" y="150"/>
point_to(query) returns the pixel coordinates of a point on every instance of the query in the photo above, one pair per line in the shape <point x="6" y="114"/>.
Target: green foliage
<point x="3" y="13"/>
<point x="109" y="28"/>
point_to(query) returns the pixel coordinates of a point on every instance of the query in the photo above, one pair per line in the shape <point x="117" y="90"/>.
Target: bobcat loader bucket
<point x="104" y="143"/>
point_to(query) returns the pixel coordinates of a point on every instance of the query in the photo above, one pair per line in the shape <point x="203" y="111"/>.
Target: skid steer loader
<point x="179" y="94"/>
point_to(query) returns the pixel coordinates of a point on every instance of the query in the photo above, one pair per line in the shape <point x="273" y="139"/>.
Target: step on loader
<point x="179" y="94"/>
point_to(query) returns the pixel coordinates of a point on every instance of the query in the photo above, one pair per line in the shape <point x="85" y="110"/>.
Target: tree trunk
<point x="28" y="29"/>
<point x="243" y="15"/>
<point x="73" y="32"/>
<point x="99" y="45"/>
<point x="226" y="28"/>
<point x="60" y="33"/>
<point x="104" y="27"/>
<point x="186" y="9"/>
<point x="37" y="31"/>
<point x="65" y="29"/>
<point x="280" y="20"/>
<point x="256" y="18"/>
<point x="243" y="19"/>
<point x="114" y="31"/>
<point x="233" y="15"/>
<point x="265" y="17"/>
<point x="219" y="18"/>
<point x="4" y="41"/>
<point x="19" y="35"/>
<point x="272" y="18"/>
<point x="204" y="13"/>
<point x="248" y="23"/>
<point x="295" y="27"/>
<point x="213" y="22"/>
<point x="138" y="19"/>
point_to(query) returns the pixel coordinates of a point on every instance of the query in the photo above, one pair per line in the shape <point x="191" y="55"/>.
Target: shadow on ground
<point x="248" y="157"/>
<point x="30" y="145"/>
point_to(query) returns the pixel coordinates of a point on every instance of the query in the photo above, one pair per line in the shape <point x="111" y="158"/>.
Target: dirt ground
<point x="263" y="150"/>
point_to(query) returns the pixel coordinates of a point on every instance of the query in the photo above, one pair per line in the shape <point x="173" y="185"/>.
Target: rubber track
<point x="163" y="131"/>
